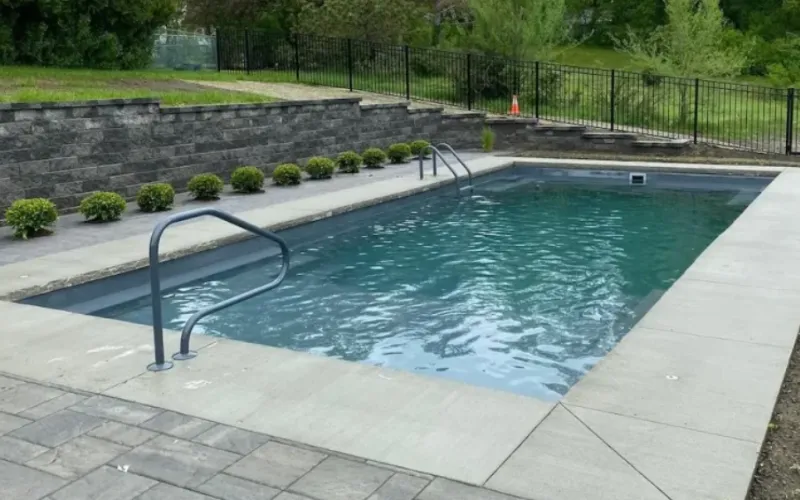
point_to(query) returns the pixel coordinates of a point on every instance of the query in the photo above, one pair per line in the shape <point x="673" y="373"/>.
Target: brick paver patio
<point x="57" y="444"/>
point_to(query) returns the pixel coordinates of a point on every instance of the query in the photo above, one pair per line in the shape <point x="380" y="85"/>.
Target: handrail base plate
<point x="179" y="356"/>
<point x="155" y="367"/>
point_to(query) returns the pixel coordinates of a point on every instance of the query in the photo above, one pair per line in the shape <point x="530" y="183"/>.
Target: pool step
<point x="646" y="304"/>
<point x="743" y="198"/>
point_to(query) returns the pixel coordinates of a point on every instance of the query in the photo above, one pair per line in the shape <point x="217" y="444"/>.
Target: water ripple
<point x="524" y="290"/>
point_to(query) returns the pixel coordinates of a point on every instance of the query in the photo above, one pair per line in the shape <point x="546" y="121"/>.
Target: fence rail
<point x="745" y="117"/>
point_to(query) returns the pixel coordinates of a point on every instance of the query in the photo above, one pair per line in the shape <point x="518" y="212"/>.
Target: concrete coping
<point x="19" y="106"/>
<point x="262" y="105"/>
<point x="423" y="110"/>
<point x="591" y="134"/>
<point x="386" y="105"/>
<point x="464" y="116"/>
<point x="511" y="120"/>
<point x="561" y="128"/>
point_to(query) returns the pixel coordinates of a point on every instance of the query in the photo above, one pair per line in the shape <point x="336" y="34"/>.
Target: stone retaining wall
<point x="63" y="151"/>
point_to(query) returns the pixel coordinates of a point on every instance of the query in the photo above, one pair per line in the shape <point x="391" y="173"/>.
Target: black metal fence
<point x="746" y="117"/>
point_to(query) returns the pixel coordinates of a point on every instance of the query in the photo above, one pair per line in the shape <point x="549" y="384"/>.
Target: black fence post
<point x="536" y="102"/>
<point x="613" y="97"/>
<point x="789" y="120"/>
<point x="408" y="72"/>
<point x="350" y="63"/>
<point x="219" y="58"/>
<point x="247" y="51"/>
<point x="297" y="57"/>
<point x="696" y="107"/>
<point x="469" y="81"/>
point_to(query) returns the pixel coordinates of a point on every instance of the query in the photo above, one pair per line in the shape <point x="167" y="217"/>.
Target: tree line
<point x="697" y="38"/>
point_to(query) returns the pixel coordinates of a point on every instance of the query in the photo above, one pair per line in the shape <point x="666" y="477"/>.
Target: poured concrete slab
<point x="684" y="464"/>
<point x="564" y="459"/>
<point x="760" y="266"/>
<point x="431" y="425"/>
<point x="707" y="384"/>
<point x="73" y="350"/>
<point x="732" y="312"/>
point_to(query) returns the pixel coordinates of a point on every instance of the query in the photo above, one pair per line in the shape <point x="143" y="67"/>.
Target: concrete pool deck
<point x="678" y="410"/>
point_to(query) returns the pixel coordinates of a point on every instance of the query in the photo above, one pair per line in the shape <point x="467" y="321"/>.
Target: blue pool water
<point x="521" y="289"/>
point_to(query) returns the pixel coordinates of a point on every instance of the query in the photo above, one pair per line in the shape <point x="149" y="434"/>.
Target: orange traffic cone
<point x="514" y="111"/>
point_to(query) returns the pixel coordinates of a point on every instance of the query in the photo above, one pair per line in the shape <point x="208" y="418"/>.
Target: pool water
<point x="521" y="289"/>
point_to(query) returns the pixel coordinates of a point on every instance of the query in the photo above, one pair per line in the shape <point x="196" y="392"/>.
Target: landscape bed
<point x="522" y="286"/>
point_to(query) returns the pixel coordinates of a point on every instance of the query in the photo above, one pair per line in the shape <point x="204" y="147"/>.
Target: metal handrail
<point x="435" y="152"/>
<point x="155" y="282"/>
<point x="458" y="158"/>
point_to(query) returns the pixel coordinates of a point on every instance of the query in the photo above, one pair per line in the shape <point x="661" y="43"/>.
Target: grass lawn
<point x="30" y="84"/>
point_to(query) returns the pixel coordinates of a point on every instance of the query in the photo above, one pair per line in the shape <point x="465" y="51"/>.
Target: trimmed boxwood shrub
<point x="247" y="179"/>
<point x="399" y="153"/>
<point x="287" y="174"/>
<point x="373" y="158"/>
<point x="349" y="162"/>
<point x="205" y="186"/>
<point x="31" y="217"/>
<point x="320" y="167"/>
<point x="155" y="197"/>
<point x="420" y="148"/>
<point x="102" y="207"/>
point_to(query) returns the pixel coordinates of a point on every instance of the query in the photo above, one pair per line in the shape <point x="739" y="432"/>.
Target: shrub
<point x="205" y="186"/>
<point x="349" y="162"/>
<point x="373" y="158"/>
<point x="420" y="148"/>
<point x="287" y="174"/>
<point x="399" y="153"/>
<point x="155" y="197"/>
<point x="102" y="206"/>
<point x="320" y="167"/>
<point x="247" y="179"/>
<point x="487" y="139"/>
<point x="31" y="217"/>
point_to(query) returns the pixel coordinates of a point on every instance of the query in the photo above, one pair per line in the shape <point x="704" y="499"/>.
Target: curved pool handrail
<point x="155" y="282"/>
<point x="458" y="158"/>
<point x="435" y="152"/>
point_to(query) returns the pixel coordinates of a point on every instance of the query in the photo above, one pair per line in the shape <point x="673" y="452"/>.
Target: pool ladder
<point x="161" y="363"/>
<point x="436" y="153"/>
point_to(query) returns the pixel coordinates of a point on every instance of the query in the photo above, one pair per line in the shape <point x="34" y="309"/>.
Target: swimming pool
<point x="523" y="286"/>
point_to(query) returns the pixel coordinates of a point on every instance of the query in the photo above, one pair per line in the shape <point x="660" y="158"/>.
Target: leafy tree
<point x="600" y="21"/>
<point x="517" y="29"/>
<point x="693" y="42"/>
<point x="386" y="21"/>
<point x="85" y="33"/>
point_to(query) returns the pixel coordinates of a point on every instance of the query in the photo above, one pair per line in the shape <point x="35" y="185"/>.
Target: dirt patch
<point x="777" y="474"/>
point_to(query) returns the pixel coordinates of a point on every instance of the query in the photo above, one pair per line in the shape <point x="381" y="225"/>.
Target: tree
<point x="85" y="33"/>
<point x="600" y="21"/>
<point x="385" y="21"/>
<point x="517" y="29"/>
<point x="694" y="42"/>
